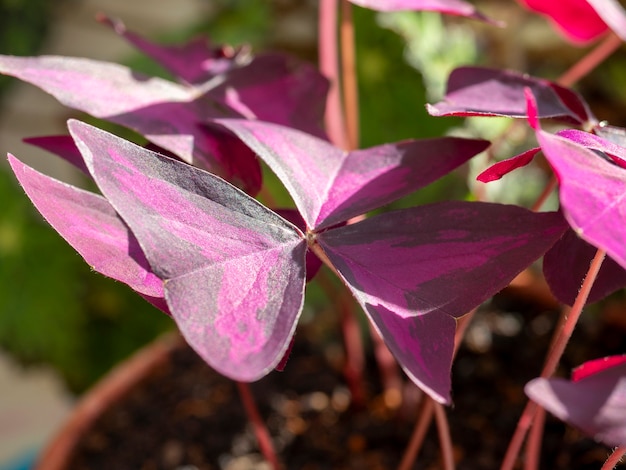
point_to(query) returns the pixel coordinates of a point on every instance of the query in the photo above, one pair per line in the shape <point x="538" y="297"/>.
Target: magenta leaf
<point x="594" y="142"/>
<point x="330" y="186"/>
<point x="415" y="271"/>
<point x="590" y="368"/>
<point x="499" y="169"/>
<point x="480" y="91"/>
<point x="566" y="264"/>
<point x="595" y="403"/>
<point x="450" y="7"/>
<point x="194" y="62"/>
<point x="92" y="227"/>
<point x="612" y="13"/>
<point x="592" y="193"/>
<point x="233" y="270"/>
<point x="577" y="19"/>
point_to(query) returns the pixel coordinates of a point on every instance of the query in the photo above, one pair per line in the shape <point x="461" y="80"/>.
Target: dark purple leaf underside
<point x="431" y="264"/>
<point x="450" y="7"/>
<point x="479" y="91"/>
<point x="566" y="264"/>
<point x="595" y="404"/>
<point x="193" y="62"/>
<point x="498" y="170"/>
<point x="234" y="271"/>
<point x="62" y="146"/>
<point x="93" y="228"/>
<point x="330" y="186"/>
<point x="592" y="193"/>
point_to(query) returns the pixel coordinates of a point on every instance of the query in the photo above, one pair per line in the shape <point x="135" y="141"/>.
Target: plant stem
<point x="425" y="414"/>
<point x="552" y="360"/>
<point x="260" y="430"/>
<point x="329" y="67"/>
<point x="535" y="437"/>
<point x="348" y="74"/>
<point x="615" y="458"/>
<point x="355" y="361"/>
<point x="591" y="60"/>
<point x="545" y="193"/>
<point x="389" y="371"/>
<point x="445" y="441"/>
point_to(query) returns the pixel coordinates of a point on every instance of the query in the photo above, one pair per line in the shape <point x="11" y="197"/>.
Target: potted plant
<point x="188" y="222"/>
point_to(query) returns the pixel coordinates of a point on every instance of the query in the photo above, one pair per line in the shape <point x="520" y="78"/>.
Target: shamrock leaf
<point x="594" y="401"/>
<point x="234" y="271"/>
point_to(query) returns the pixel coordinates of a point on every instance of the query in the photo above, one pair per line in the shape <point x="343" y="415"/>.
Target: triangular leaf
<point x="91" y="226"/>
<point x="330" y="186"/>
<point x="219" y="251"/>
<point x="442" y="259"/>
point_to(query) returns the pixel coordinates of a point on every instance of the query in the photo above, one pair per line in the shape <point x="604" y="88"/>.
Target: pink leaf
<point x="576" y="19"/>
<point x="233" y="270"/>
<point x="93" y="228"/>
<point x="595" y="403"/>
<point x="592" y="192"/>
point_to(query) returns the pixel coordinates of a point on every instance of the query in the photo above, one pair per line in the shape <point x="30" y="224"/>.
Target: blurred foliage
<point x="53" y="309"/>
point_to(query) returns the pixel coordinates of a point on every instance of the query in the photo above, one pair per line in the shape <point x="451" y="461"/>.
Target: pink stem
<point x="554" y="356"/>
<point x="591" y="60"/>
<point x="445" y="441"/>
<point x="348" y="73"/>
<point x="424" y="418"/>
<point x="615" y="458"/>
<point x="260" y="430"/>
<point x="425" y="415"/>
<point x="329" y="67"/>
<point x="535" y="437"/>
<point x="545" y="194"/>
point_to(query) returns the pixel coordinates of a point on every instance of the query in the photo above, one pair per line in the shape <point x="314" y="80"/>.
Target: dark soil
<point x="187" y="417"/>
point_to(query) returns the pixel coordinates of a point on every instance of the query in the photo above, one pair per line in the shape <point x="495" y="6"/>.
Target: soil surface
<point x="187" y="417"/>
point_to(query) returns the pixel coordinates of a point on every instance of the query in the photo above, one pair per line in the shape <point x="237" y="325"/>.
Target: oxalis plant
<point x="178" y="220"/>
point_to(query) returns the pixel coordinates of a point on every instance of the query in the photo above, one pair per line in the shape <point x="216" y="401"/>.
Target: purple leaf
<point x="193" y="62"/>
<point x="330" y="186"/>
<point x="498" y="170"/>
<point x="450" y="7"/>
<point x="167" y="114"/>
<point x="234" y="271"/>
<point x="278" y="89"/>
<point x="596" y="403"/>
<point x="479" y="91"/>
<point x="592" y="192"/>
<point x="93" y="228"/>
<point x="431" y="264"/>
<point x="566" y="264"/>
<point x="62" y="146"/>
